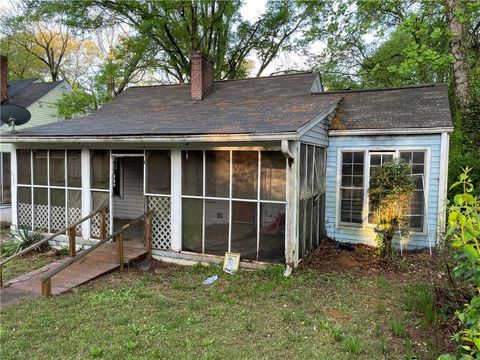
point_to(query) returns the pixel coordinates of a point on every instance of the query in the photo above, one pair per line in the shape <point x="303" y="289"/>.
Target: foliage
<point x="464" y="234"/>
<point x="20" y="239"/>
<point x="77" y="102"/>
<point x="390" y="192"/>
<point x="419" y="297"/>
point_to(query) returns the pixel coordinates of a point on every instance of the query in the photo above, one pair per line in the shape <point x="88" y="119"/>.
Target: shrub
<point x="391" y="190"/>
<point x="20" y="239"/>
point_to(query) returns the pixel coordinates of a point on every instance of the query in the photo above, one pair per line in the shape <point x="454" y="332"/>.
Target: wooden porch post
<point x="103" y="225"/>
<point x="47" y="287"/>
<point x="72" y="234"/>
<point x="148" y="234"/>
<point x="119" y="243"/>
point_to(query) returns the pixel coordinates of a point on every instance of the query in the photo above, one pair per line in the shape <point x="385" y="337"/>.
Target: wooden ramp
<point x="94" y="264"/>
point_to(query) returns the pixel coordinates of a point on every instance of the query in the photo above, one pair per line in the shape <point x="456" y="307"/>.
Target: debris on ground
<point x="210" y="280"/>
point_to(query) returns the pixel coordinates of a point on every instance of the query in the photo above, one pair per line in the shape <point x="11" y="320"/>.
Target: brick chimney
<point x="201" y="76"/>
<point x="3" y="78"/>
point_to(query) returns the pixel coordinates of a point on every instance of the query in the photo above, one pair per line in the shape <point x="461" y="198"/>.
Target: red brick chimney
<point x="201" y="76"/>
<point x="3" y="78"/>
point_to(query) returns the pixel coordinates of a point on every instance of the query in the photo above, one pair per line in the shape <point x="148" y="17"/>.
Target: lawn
<point x="168" y="313"/>
<point x="24" y="264"/>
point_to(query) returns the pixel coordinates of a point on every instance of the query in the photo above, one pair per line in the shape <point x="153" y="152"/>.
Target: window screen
<point x="158" y="172"/>
<point x="100" y="169"/>
<point x="244" y="174"/>
<point x="416" y="160"/>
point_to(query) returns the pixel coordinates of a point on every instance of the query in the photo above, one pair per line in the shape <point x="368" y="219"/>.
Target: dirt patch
<point x="336" y="314"/>
<point x="332" y="256"/>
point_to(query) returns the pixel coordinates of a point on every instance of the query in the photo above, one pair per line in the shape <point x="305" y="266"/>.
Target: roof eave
<point x="398" y="131"/>
<point x="12" y="139"/>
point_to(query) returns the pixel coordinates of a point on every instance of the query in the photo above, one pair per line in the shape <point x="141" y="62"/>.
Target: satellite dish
<point x="12" y="115"/>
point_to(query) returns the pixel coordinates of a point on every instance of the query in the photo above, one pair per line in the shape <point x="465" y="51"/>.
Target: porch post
<point x="13" y="185"/>
<point x="86" y="197"/>
<point x="176" y="200"/>
<point x="292" y="188"/>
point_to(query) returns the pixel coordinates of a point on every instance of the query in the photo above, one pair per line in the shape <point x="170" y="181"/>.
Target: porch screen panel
<point x="40" y="161"/>
<point x="74" y="207"/>
<point x="192" y="173"/>
<point x="158" y="188"/>
<point x="217" y="173"/>
<point x="24" y="167"/>
<point x="100" y="199"/>
<point x="192" y="215"/>
<point x="57" y="167"/>
<point x="100" y="169"/>
<point x="244" y="229"/>
<point x="273" y="176"/>
<point x="5" y="197"/>
<point x="74" y="169"/>
<point x="216" y="226"/>
<point x="25" y="207"/>
<point x="244" y="174"/>
<point x="57" y="210"/>
<point x="272" y="233"/>
<point x="40" y="196"/>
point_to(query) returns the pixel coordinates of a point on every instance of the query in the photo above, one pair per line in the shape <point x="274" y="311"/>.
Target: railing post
<point x="148" y="234"/>
<point x="119" y="243"/>
<point x="47" y="287"/>
<point x="103" y="224"/>
<point x="72" y="238"/>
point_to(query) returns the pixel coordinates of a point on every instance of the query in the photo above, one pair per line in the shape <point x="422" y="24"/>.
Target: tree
<point x="22" y="64"/>
<point x="177" y="28"/>
<point x="391" y="190"/>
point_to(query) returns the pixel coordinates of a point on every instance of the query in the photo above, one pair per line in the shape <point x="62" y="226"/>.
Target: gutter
<point x="148" y="139"/>
<point x="400" y="131"/>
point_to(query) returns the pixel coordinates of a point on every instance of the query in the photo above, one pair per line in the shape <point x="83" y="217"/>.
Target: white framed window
<point x="353" y="204"/>
<point x="234" y="200"/>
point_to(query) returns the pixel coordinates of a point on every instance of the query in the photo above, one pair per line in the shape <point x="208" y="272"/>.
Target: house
<point x="38" y="98"/>
<point x="265" y="167"/>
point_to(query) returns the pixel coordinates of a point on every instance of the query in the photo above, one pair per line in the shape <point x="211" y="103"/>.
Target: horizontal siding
<point x="131" y="204"/>
<point x="318" y="135"/>
<point x="367" y="235"/>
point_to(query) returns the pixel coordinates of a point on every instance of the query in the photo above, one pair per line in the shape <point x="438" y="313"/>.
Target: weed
<point x="408" y="349"/>
<point x="419" y="297"/>
<point x="383" y="344"/>
<point x="352" y="345"/>
<point x="338" y="334"/>
<point x="131" y="345"/>
<point x="398" y="329"/>
<point x="146" y="278"/>
<point x="63" y="251"/>
<point x="95" y="352"/>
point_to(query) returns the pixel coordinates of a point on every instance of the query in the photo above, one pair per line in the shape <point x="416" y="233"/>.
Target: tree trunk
<point x="457" y="48"/>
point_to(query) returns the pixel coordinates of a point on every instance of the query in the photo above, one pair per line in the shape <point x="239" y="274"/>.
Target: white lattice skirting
<point x="25" y="215"/>
<point x="75" y="214"/>
<point x="161" y="224"/>
<point x="41" y="216"/>
<point x="57" y="218"/>
<point x="95" y="225"/>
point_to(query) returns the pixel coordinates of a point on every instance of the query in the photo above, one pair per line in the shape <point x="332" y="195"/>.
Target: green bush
<point x="20" y="239"/>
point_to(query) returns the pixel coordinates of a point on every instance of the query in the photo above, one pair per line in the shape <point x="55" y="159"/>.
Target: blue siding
<point x="367" y="235"/>
<point x="318" y="135"/>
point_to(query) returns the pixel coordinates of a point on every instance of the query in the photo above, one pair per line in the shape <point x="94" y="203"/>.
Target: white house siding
<point x="366" y="234"/>
<point x="43" y="111"/>
<point x="131" y="204"/>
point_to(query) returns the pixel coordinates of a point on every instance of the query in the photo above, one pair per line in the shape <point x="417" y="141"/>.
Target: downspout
<point x="288" y="154"/>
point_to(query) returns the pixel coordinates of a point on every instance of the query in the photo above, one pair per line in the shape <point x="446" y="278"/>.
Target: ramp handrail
<point x="118" y="238"/>
<point x="70" y="230"/>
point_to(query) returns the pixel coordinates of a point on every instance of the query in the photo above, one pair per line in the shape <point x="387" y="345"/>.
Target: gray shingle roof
<point x="26" y="92"/>
<point x="423" y="106"/>
<point x="276" y="104"/>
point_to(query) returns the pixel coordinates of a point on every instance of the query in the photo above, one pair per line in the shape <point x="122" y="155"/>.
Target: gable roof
<point x="259" y="106"/>
<point x="26" y="92"/>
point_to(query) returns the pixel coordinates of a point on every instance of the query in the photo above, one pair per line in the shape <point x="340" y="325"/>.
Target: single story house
<point x="38" y="98"/>
<point x="265" y="167"/>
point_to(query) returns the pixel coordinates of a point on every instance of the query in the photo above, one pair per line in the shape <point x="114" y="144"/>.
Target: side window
<point x="351" y="187"/>
<point x="377" y="159"/>
<point x="416" y="160"/>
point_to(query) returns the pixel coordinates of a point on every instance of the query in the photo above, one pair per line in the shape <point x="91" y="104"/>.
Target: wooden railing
<point x="70" y="230"/>
<point x="117" y="237"/>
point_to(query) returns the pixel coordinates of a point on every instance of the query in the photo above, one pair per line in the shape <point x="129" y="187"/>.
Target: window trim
<point x="366" y="181"/>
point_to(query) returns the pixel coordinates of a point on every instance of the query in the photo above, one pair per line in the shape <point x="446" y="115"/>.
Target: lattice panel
<point x="161" y="224"/>
<point x="57" y="218"/>
<point x="95" y="225"/>
<point x="75" y="214"/>
<point x="25" y="215"/>
<point x="41" y="216"/>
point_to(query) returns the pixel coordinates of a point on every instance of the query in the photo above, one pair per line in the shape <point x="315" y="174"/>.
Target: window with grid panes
<point x="351" y="188"/>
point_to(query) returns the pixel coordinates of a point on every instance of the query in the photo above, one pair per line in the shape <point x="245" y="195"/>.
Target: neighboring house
<point x="264" y="167"/>
<point x="38" y="98"/>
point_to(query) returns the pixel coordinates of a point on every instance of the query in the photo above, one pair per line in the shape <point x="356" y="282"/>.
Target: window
<point x="416" y="160"/>
<point x="234" y="201"/>
<point x="353" y="195"/>
<point x="351" y="188"/>
<point x="5" y="197"/>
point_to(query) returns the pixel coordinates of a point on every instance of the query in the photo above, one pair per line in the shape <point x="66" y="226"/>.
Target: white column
<point x="442" y="185"/>
<point x="176" y="200"/>
<point x="292" y="192"/>
<point x="86" y="196"/>
<point x="13" y="189"/>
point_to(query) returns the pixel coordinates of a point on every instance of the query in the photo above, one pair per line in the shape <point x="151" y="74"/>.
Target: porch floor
<point x="97" y="263"/>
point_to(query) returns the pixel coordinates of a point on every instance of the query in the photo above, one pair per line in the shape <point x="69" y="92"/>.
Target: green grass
<point x="25" y="264"/>
<point x="249" y="315"/>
